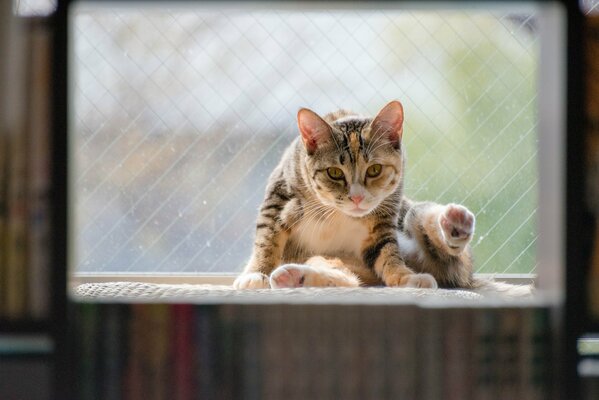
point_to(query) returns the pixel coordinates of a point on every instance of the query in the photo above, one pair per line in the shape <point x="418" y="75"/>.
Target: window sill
<point x="228" y="278"/>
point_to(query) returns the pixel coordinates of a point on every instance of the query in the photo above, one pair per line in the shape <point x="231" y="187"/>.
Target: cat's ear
<point x="315" y="130"/>
<point x="389" y="122"/>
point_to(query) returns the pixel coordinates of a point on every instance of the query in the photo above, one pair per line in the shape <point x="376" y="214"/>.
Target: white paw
<point x="457" y="224"/>
<point x="289" y="276"/>
<point x="419" y="281"/>
<point x="252" y="280"/>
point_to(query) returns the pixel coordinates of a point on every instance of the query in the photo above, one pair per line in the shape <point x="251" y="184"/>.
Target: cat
<point x="334" y="213"/>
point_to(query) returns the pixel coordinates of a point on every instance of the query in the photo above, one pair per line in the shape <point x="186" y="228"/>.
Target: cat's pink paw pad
<point x="457" y="223"/>
<point x="288" y="276"/>
<point x="252" y="280"/>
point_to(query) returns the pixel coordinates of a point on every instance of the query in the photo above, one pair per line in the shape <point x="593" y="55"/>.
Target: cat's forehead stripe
<point x="351" y="128"/>
<point x="351" y="124"/>
<point x="354" y="143"/>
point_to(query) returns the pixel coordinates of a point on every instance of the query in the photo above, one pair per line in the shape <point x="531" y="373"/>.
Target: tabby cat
<point x="334" y="213"/>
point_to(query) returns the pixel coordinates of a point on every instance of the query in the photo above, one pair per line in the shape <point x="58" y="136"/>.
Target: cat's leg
<point x="251" y="280"/>
<point x="271" y="237"/>
<point x="317" y="272"/>
<point x="435" y="239"/>
<point x="449" y="228"/>
<point x="381" y="254"/>
<point x="268" y="249"/>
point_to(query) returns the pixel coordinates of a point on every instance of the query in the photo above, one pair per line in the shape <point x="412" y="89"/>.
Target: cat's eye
<point x="374" y="170"/>
<point x="335" y="173"/>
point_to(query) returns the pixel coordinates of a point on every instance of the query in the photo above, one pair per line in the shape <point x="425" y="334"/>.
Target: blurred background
<point x="181" y="114"/>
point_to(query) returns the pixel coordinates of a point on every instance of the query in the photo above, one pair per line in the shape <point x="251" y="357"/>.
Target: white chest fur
<point x="334" y="236"/>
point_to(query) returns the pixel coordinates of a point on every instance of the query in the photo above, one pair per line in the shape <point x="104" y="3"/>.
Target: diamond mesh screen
<point x="180" y="115"/>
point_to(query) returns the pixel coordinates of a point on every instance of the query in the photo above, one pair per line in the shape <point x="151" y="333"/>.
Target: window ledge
<point x="228" y="278"/>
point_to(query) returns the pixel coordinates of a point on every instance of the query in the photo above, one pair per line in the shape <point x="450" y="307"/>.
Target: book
<point x="374" y="350"/>
<point x="430" y="360"/>
<point x="24" y="172"/>
<point x="18" y="118"/>
<point x="457" y="354"/>
<point x="38" y="183"/>
<point x="251" y="360"/>
<point x="402" y="351"/>
<point x="272" y="345"/>
<point x="538" y="357"/>
<point x="348" y="354"/>
<point x="484" y="353"/>
<point x="87" y="345"/>
<point x="507" y="363"/>
<point x="207" y="351"/>
<point x="159" y="351"/>
<point x="156" y="360"/>
<point x="6" y="36"/>
<point x="137" y="341"/>
<point x="592" y="155"/>
<point x="113" y="337"/>
<point x="184" y="353"/>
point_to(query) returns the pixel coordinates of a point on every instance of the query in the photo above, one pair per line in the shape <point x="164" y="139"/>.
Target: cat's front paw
<point x="251" y="280"/>
<point x="289" y="276"/>
<point x="413" y="281"/>
<point x="301" y="275"/>
<point x="457" y="225"/>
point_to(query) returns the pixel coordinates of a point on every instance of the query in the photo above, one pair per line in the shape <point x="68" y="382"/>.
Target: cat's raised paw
<point x="289" y="276"/>
<point x="252" y="280"/>
<point x="457" y="223"/>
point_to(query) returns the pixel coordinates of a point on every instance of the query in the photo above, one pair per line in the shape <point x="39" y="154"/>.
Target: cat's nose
<point x="356" y="199"/>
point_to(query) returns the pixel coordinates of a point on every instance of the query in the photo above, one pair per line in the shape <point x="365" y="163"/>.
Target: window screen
<point x="178" y="115"/>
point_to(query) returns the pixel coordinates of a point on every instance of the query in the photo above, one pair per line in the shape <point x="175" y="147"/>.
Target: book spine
<point x="484" y="353"/>
<point x="509" y="330"/>
<point x="87" y="339"/>
<point x="207" y="351"/>
<point x="348" y="354"/>
<point x="372" y="344"/>
<point x="456" y="351"/>
<point x="541" y="355"/>
<point x="592" y="156"/>
<point x="137" y="344"/>
<point x="401" y="354"/>
<point x="19" y="87"/>
<point x="113" y="336"/>
<point x="39" y="173"/>
<point x="183" y="353"/>
<point x="251" y="364"/>
<point x="431" y="346"/>
<point x="6" y="37"/>
<point x="271" y="344"/>
<point x="157" y="364"/>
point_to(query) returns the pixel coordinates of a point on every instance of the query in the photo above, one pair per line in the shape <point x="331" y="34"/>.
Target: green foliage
<point x="486" y="157"/>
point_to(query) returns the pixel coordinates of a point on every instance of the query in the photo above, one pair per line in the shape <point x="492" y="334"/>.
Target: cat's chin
<point x="357" y="213"/>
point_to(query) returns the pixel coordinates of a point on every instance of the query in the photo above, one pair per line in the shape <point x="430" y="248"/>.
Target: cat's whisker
<point x="386" y="143"/>
<point x="307" y="215"/>
<point x="319" y="220"/>
<point x="375" y="137"/>
<point x="378" y="135"/>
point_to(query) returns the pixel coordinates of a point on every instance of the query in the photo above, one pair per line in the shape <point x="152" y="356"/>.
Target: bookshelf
<point x="33" y="323"/>
<point x="55" y="341"/>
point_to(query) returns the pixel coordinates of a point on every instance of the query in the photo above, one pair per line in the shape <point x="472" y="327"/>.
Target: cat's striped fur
<point x="334" y="213"/>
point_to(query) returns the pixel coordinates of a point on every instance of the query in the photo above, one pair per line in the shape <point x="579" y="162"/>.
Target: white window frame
<point x="549" y="277"/>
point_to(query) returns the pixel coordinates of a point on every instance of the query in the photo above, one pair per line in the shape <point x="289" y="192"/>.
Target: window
<point x="179" y="115"/>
